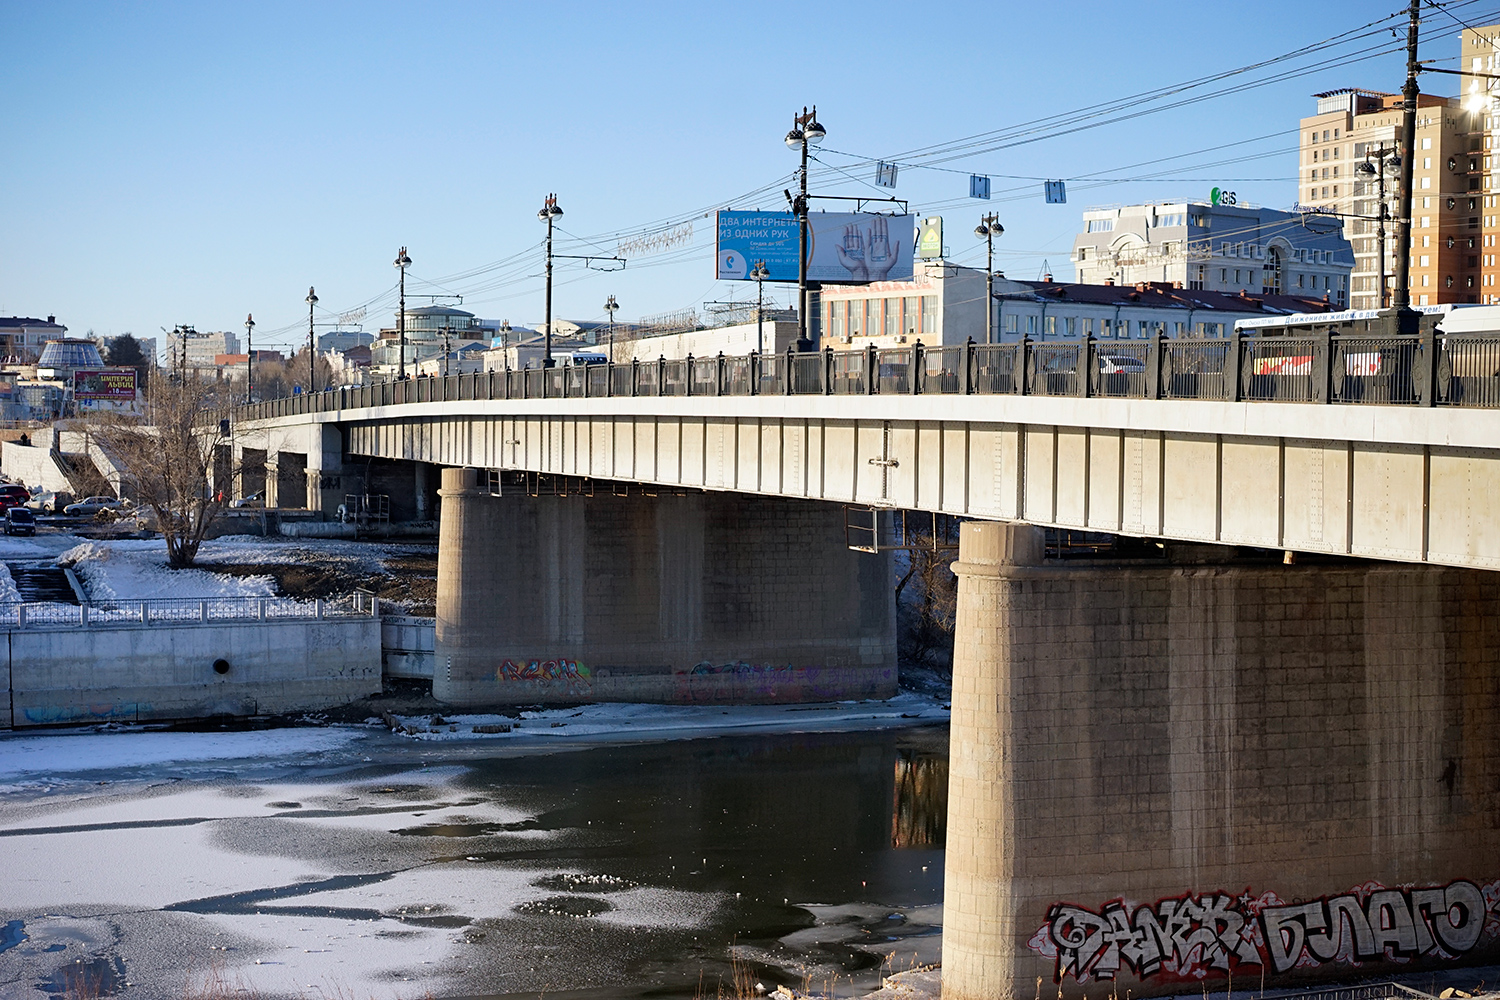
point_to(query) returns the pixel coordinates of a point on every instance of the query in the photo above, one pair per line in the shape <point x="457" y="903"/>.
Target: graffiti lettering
<point x="570" y="673"/>
<point x="1191" y="937"/>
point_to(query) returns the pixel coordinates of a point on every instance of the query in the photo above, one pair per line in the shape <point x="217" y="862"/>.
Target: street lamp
<point x="548" y="213"/>
<point x="989" y="227"/>
<point x="1377" y="162"/>
<point x="312" y="381"/>
<point x="249" y="359"/>
<point x="402" y="263"/>
<point x="805" y="132"/>
<point x="611" y="307"/>
<point x="760" y="273"/>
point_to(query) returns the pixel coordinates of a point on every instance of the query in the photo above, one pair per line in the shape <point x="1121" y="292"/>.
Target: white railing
<point x="185" y="611"/>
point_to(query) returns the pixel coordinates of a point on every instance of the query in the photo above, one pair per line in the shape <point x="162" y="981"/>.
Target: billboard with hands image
<point x="847" y="248"/>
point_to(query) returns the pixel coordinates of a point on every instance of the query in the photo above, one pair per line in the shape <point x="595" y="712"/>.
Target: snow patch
<point x="139" y="571"/>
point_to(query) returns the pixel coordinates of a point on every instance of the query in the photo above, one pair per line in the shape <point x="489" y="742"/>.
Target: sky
<point x="194" y="163"/>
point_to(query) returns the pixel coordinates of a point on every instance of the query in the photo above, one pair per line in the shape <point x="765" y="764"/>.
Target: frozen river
<point x="351" y="862"/>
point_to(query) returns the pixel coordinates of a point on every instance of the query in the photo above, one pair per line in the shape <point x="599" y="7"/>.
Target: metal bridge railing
<point x="185" y="611"/>
<point x="1394" y="370"/>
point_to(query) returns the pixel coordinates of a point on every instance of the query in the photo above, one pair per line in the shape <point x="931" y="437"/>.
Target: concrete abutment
<point x="1163" y="774"/>
<point x="701" y="597"/>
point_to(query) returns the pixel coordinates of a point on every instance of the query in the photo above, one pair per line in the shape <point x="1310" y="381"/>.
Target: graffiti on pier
<point x="571" y="674"/>
<point x="1194" y="936"/>
<point x="710" y="683"/>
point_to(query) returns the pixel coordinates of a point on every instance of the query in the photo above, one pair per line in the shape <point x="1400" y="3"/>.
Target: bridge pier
<point x="702" y="597"/>
<point x="1165" y="775"/>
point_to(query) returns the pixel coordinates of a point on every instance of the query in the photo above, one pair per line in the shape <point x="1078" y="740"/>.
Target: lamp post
<point x="989" y="227"/>
<point x="402" y="263"/>
<point x="312" y="381"/>
<point x="611" y="307"/>
<point x="805" y="132"/>
<point x="548" y="213"/>
<point x="1377" y="162"/>
<point x="760" y="273"/>
<point x="249" y="360"/>
<point x="1406" y="319"/>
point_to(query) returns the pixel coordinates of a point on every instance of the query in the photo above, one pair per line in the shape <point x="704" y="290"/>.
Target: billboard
<point x="112" y="383"/>
<point x="843" y="248"/>
<point x="930" y="238"/>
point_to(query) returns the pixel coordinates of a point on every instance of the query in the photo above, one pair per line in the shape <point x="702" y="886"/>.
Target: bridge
<point x="1149" y="757"/>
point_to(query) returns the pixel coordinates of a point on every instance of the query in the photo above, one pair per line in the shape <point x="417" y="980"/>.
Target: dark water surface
<point x="389" y="869"/>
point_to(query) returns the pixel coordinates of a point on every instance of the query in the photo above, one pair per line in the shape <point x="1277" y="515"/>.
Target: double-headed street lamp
<point x="249" y="359"/>
<point x="611" y="307"/>
<point x="989" y="227"/>
<point x="402" y="263"/>
<point x="1377" y="162"/>
<point x="805" y="132"/>
<point x="760" y="273"/>
<point x="548" y="213"/>
<point x="312" y="381"/>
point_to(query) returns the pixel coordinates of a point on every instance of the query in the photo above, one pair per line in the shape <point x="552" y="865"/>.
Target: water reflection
<point x="919" y="817"/>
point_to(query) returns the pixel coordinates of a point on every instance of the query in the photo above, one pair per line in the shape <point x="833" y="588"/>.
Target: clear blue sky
<point x="190" y="163"/>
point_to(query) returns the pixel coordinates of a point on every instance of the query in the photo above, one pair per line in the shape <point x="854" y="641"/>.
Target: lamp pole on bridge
<point x="312" y="368"/>
<point x="805" y="132"/>
<point x="760" y="274"/>
<point x="611" y="307"/>
<point x="249" y="359"/>
<point x="989" y="227"/>
<point x="402" y="263"/>
<point x="548" y="213"/>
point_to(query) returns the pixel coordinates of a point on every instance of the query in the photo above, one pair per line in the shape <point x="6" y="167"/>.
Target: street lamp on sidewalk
<point x="805" y="132"/>
<point x="402" y="263"/>
<point x="989" y="227"/>
<point x="1377" y="162"/>
<point x="549" y="213"/>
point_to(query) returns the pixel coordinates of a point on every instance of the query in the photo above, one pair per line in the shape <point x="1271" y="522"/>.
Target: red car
<point x="13" y="496"/>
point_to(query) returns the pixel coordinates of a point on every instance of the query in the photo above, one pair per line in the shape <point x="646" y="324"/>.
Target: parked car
<point x="257" y="499"/>
<point x="20" y="521"/>
<point x="94" y="505"/>
<point x="49" y="502"/>
<point x="1120" y="364"/>
<point x="13" y="495"/>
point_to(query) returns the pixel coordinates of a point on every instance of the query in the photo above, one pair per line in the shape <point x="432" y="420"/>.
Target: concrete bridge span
<point x="1164" y="776"/>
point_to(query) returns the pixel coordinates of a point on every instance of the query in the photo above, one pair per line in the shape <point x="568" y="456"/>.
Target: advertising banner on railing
<point x="113" y="383"/>
<point x="843" y="248"/>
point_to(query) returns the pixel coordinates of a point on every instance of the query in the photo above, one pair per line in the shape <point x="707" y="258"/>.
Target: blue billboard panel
<point x="845" y="248"/>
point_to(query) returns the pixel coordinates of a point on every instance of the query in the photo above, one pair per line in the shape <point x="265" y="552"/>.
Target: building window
<point x="837" y="311"/>
<point x="1049" y="328"/>
<point x="1101" y="225"/>
<point x="1010" y="323"/>
<point x="911" y="314"/>
<point x="929" y="314"/>
<point x="1088" y="326"/>
<point x="892" y="317"/>
<point x="1030" y="326"/>
<point x="856" y="317"/>
<point x="1070" y="326"/>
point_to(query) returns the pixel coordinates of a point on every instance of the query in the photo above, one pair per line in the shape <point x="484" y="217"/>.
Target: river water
<point x="349" y="862"/>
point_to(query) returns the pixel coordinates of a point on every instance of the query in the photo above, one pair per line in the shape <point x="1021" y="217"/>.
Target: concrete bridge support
<point x="1163" y="775"/>
<point x="704" y="597"/>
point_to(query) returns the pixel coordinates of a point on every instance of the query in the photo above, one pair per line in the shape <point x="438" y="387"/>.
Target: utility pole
<point x="249" y="359"/>
<point x="548" y="213"/>
<point x="312" y="380"/>
<point x="805" y="132"/>
<point x="446" y="329"/>
<point x="989" y="227"/>
<point x="611" y="306"/>
<point x="402" y="263"/>
<point x="1406" y="320"/>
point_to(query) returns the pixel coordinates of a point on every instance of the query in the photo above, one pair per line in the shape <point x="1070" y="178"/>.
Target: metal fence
<point x="185" y="611"/>
<point x="1395" y="370"/>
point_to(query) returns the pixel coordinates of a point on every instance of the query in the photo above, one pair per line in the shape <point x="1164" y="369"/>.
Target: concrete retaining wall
<point x="33" y="465"/>
<point x="1165" y="775"/>
<point x="135" y="674"/>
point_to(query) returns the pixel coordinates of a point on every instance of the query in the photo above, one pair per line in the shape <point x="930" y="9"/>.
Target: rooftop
<point x="1164" y="295"/>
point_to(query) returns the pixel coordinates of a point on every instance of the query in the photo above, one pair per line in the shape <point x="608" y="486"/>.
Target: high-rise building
<point x="1480" y="51"/>
<point x="1349" y="157"/>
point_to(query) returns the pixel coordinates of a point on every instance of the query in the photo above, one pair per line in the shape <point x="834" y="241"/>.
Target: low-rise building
<point x="23" y="337"/>
<point x="1216" y="248"/>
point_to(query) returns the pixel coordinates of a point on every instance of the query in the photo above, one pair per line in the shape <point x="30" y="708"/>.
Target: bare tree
<point x="168" y="460"/>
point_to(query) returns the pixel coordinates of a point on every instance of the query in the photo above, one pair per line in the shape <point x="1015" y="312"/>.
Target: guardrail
<point x="184" y="611"/>
<point x="1398" y="370"/>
